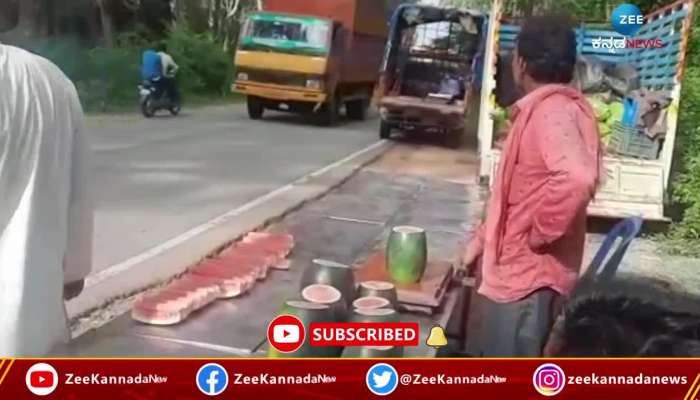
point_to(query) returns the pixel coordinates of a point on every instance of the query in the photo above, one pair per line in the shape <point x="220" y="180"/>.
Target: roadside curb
<point x="175" y="256"/>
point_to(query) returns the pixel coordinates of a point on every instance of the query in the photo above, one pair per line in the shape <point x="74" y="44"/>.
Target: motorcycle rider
<point x="169" y="71"/>
<point x="159" y="68"/>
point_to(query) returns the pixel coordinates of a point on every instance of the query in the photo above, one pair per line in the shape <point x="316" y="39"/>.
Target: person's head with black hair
<point x="162" y="46"/>
<point x="599" y="325"/>
<point x="545" y="52"/>
<point x="671" y="346"/>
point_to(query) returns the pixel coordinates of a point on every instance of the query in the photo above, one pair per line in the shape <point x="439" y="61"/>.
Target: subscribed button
<point x="397" y="334"/>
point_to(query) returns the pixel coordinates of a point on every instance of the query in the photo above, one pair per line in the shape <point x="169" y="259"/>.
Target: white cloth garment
<point x="46" y="214"/>
<point x="169" y="66"/>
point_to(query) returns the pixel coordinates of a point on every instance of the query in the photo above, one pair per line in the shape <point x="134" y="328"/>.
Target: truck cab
<point x="428" y="71"/>
<point x="281" y="62"/>
<point x="311" y="57"/>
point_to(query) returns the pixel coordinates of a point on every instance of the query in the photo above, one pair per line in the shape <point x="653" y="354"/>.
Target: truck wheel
<point x="357" y="109"/>
<point x="255" y="107"/>
<point x="384" y="130"/>
<point x="328" y="114"/>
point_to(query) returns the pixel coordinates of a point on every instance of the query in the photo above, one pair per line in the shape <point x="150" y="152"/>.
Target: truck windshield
<point x="280" y="33"/>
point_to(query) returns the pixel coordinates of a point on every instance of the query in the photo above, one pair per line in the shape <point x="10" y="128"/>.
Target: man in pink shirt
<point x="530" y="246"/>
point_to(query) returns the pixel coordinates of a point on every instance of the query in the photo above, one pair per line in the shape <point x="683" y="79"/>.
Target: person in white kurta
<point x="46" y="213"/>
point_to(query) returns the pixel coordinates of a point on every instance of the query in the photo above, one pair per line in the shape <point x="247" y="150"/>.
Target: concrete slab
<point x="237" y="327"/>
<point x="174" y="256"/>
<point x="98" y="346"/>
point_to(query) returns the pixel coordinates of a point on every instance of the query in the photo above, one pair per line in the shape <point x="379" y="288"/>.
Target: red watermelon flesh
<point x="370" y="302"/>
<point x="194" y="282"/>
<point x="254" y="264"/>
<point x="280" y="244"/>
<point x="321" y="294"/>
<point x="218" y="269"/>
<point x="166" y="301"/>
<point x="147" y="315"/>
<point x="186" y="283"/>
<point x="160" y="310"/>
<point x="204" y="291"/>
<point x="283" y="265"/>
<point x="253" y="250"/>
<point x="233" y="281"/>
<point x="226" y="288"/>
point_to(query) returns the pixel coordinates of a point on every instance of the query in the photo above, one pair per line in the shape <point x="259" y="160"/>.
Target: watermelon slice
<point x="370" y="303"/>
<point x="321" y="294"/>
<point x="254" y="265"/>
<point x="232" y="281"/>
<point x="282" y="265"/>
<point x="280" y="243"/>
<point x="151" y="316"/>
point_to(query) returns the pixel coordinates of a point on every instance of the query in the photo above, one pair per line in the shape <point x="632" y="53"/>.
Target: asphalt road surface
<point x="155" y="179"/>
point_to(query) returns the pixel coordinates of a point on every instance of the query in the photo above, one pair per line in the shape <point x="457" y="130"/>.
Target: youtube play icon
<point x="286" y="333"/>
<point x="41" y="379"/>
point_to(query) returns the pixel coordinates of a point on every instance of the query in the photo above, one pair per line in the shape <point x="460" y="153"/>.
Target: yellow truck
<point x="311" y="57"/>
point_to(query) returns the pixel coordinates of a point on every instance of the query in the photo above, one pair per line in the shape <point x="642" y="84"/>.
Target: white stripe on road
<point x="130" y="263"/>
<point x="201" y="345"/>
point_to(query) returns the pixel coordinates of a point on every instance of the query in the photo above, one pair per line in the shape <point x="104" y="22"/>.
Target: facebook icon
<point x="212" y="379"/>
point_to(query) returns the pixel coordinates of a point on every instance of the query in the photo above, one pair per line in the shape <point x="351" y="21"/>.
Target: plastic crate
<point x="632" y="142"/>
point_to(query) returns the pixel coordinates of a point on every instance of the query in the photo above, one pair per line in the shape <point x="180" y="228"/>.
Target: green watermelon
<point x="374" y="315"/>
<point x="331" y="273"/>
<point x="407" y="254"/>
<point x="307" y="313"/>
<point x="382" y="289"/>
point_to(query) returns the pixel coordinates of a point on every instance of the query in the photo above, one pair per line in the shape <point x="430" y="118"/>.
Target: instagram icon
<point x="549" y="379"/>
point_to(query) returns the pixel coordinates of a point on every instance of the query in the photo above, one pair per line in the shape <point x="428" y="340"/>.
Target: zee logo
<point x="627" y="19"/>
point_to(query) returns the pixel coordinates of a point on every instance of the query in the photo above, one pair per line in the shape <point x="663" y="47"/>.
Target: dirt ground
<point x="426" y="160"/>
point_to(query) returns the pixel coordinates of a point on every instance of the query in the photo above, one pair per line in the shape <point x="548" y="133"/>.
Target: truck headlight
<point x="313" y="84"/>
<point x="242" y="76"/>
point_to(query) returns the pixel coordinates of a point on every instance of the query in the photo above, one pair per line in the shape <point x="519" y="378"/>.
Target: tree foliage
<point x="583" y="10"/>
<point x="686" y="188"/>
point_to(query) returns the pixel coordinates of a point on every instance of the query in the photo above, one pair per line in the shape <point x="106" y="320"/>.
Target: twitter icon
<point x="382" y="379"/>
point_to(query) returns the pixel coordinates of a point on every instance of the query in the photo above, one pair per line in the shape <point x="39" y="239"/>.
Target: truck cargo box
<point x="362" y="35"/>
<point x="633" y="186"/>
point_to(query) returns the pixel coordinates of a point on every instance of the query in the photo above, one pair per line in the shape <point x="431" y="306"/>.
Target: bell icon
<point x="437" y="337"/>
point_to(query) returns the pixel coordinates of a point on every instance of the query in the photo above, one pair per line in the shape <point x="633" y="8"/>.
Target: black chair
<point x="601" y="270"/>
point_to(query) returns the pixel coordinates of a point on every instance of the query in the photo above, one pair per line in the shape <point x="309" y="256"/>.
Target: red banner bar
<point x="364" y="334"/>
<point x="351" y="379"/>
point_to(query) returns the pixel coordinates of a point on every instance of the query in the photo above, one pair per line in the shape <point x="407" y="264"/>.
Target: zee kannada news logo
<point x="627" y="19"/>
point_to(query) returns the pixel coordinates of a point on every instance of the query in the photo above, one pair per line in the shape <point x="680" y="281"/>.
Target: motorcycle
<point x="153" y="100"/>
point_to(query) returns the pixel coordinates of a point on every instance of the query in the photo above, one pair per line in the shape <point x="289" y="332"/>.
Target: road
<point x="155" y="179"/>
